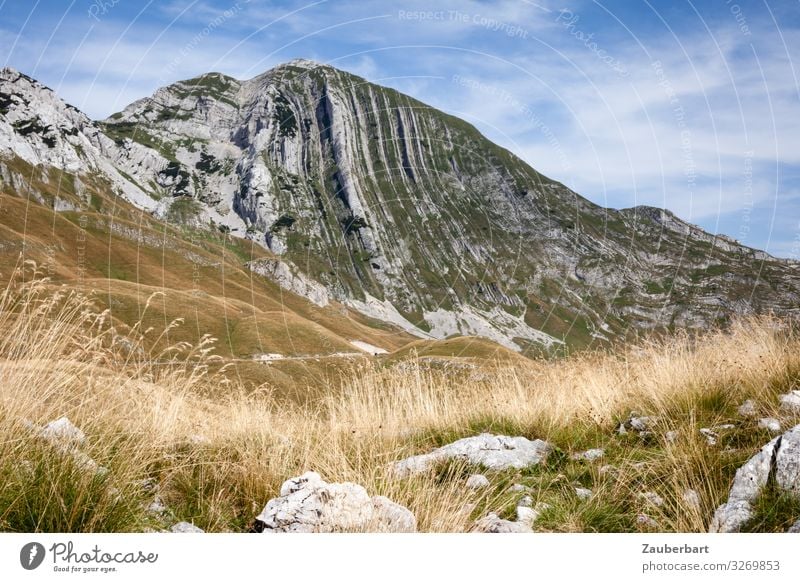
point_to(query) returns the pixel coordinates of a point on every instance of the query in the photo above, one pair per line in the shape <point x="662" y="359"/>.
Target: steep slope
<point x="370" y="198"/>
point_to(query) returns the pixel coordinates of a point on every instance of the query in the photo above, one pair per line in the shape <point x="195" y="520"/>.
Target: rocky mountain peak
<point x="376" y="200"/>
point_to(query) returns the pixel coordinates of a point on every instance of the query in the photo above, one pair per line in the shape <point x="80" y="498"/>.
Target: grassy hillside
<point x="158" y="417"/>
<point x="100" y="245"/>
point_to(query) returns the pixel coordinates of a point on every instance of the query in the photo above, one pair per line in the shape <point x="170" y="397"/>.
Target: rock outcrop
<point x="778" y="462"/>
<point x="494" y="452"/>
<point x="384" y="204"/>
<point x="308" y="504"/>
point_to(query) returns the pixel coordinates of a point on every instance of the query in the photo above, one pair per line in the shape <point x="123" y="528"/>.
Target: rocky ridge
<point x="378" y="201"/>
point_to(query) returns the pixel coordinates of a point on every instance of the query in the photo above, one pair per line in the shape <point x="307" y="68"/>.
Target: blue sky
<point x="692" y="106"/>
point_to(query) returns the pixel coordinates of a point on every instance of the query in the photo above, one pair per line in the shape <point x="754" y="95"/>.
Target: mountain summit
<point x="372" y="199"/>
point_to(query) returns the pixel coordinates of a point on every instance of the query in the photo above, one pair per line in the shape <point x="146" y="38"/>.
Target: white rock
<point x="518" y="488"/>
<point x="748" y="408"/>
<point x="795" y="527"/>
<point x="781" y="455"/>
<point x="771" y="424"/>
<point x="392" y="517"/>
<point x="309" y="504"/>
<point x="63" y="432"/>
<point x="477" y="482"/>
<point x="157" y="506"/>
<point x="493" y="524"/>
<point x="491" y="451"/>
<point x="527" y="515"/>
<point x="185" y="527"/>
<point x="791" y="400"/>
<point x="671" y="436"/>
<point x="583" y="493"/>
<point x="589" y="455"/>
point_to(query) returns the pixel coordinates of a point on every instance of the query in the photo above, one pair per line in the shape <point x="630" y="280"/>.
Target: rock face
<point x="400" y="211"/>
<point x="308" y="504"/>
<point x="494" y="452"/>
<point x="779" y="459"/>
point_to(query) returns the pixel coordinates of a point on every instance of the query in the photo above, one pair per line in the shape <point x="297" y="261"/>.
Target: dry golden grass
<point x="220" y="452"/>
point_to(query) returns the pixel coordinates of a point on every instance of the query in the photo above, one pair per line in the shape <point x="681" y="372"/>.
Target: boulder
<point x="583" y="493"/>
<point x="494" y="452"/>
<point x="309" y="504"/>
<point x="780" y="458"/>
<point x="795" y="528"/>
<point x="185" y="527"/>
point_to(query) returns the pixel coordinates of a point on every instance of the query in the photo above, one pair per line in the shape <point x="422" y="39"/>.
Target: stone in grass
<point x="63" y="432"/>
<point x="640" y="424"/>
<point x="711" y="436"/>
<point x="495" y="452"/>
<point x="477" y="482"/>
<point x="68" y="438"/>
<point x="778" y="460"/>
<point x="494" y="524"/>
<point x="157" y="506"/>
<point x="185" y="527"/>
<point x="795" y="527"/>
<point x="748" y="408"/>
<point x="308" y="504"/>
<point x="529" y="515"/>
<point x="791" y="401"/>
<point x="583" y="493"/>
<point x="771" y="424"/>
<point x="589" y="455"/>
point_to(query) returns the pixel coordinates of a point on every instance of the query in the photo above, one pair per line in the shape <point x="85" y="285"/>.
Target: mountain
<point x="365" y="198"/>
